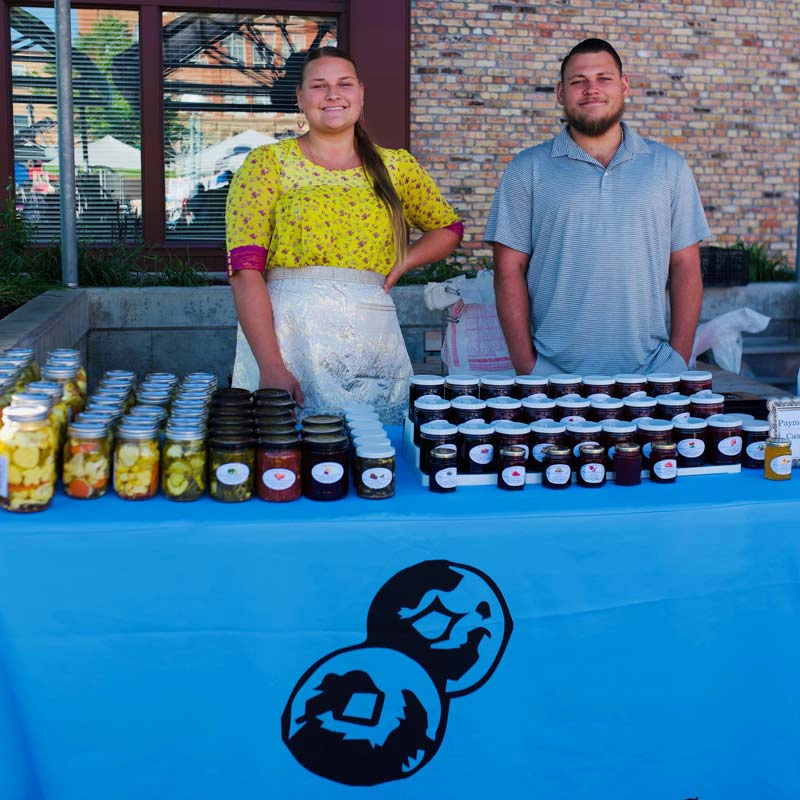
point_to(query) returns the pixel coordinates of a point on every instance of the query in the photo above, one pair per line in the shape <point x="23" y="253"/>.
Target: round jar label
<point x="731" y="446"/>
<point x="481" y="453"/>
<point x="692" y="448"/>
<point x="446" y="478"/>
<point x="279" y="480"/>
<point x="514" y="476"/>
<point x="756" y="450"/>
<point x="233" y="474"/>
<point x="576" y="451"/>
<point x="593" y="473"/>
<point x="327" y="472"/>
<point x="781" y="465"/>
<point x="558" y="473"/>
<point x="378" y="478"/>
<point x="538" y="450"/>
<point x="666" y="470"/>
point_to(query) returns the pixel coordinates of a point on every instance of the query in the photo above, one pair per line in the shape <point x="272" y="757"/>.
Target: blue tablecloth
<point x="148" y="650"/>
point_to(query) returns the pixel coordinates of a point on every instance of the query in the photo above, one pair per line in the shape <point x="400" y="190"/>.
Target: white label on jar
<point x="446" y="478"/>
<point x="514" y="476"/>
<point x="233" y="474"/>
<point x="692" y="448"/>
<point x="279" y="479"/>
<point x="481" y="453"/>
<point x="558" y="473"/>
<point x="593" y="473"/>
<point x="576" y="451"/>
<point x="682" y="417"/>
<point x="378" y="478"/>
<point x="781" y="465"/>
<point x="538" y="450"/>
<point x="666" y="470"/>
<point x="3" y="476"/>
<point x="756" y="450"/>
<point x="327" y="472"/>
<point x="731" y="446"/>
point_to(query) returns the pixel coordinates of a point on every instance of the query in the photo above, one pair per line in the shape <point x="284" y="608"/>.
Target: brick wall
<point x="717" y="81"/>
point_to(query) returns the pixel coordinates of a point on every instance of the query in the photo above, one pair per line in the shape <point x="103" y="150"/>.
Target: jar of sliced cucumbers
<point x="183" y="461"/>
<point x="136" y="459"/>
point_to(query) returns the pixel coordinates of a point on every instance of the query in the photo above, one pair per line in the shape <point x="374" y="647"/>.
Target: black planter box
<point x="724" y="267"/>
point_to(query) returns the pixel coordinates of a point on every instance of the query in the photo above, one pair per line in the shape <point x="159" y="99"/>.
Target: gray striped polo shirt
<point x="599" y="240"/>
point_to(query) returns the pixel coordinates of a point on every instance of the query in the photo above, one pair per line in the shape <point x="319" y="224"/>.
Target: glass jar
<point x="265" y="415"/>
<point x="231" y="466"/>
<point x="598" y="384"/>
<point x="563" y="383"/>
<point x="432" y="434"/>
<point x="267" y="395"/>
<point x="86" y="461"/>
<point x="659" y="383"/>
<point x="628" y="383"/>
<point x="27" y="459"/>
<point x="428" y="409"/>
<point x="232" y="396"/>
<point x="325" y="467"/>
<point x="627" y="464"/>
<point x="527" y="385"/>
<point x="511" y="467"/>
<point x="421" y="385"/>
<point x="466" y="408"/>
<point x="579" y="433"/>
<point x="649" y="431"/>
<point x="754" y="433"/>
<point x="689" y="436"/>
<point x="503" y="408"/>
<point x="495" y="386"/>
<point x="778" y="460"/>
<point x="443" y="472"/>
<point x="695" y="381"/>
<point x="67" y="377"/>
<point x="278" y="405"/>
<point x="571" y="408"/>
<point x="674" y="406"/>
<point x="136" y="459"/>
<point x="706" y="403"/>
<point x="458" y="385"/>
<point x="557" y="467"/>
<point x="545" y="433"/>
<point x="279" y="468"/>
<point x="183" y="462"/>
<point x="513" y="434"/>
<point x="636" y="406"/>
<point x="591" y="469"/>
<point x="475" y="446"/>
<point x="724" y="439"/>
<point x="375" y="474"/>
<point x="603" y="408"/>
<point x="663" y="462"/>
<point x="72" y="357"/>
<point x="322" y="424"/>
<point x="614" y="433"/>
<point x="536" y="407"/>
<point x="28" y="366"/>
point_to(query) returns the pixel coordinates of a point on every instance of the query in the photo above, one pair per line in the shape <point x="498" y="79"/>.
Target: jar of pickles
<point x="375" y="474"/>
<point x="183" y="461"/>
<point x="136" y="459"/>
<point x="72" y="357"/>
<point x="279" y="470"/>
<point x="231" y="466"/>
<point x="27" y="459"/>
<point x="30" y="369"/>
<point x="67" y="376"/>
<point x="87" y="460"/>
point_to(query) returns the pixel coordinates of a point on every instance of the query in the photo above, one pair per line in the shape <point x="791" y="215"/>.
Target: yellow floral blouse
<point x="285" y="211"/>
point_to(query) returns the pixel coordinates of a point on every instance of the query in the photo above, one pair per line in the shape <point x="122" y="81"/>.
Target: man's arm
<point x="685" y="298"/>
<point x="513" y="306"/>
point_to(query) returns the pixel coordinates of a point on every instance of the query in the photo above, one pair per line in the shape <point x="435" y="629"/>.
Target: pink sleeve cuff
<point x="247" y="257"/>
<point x="458" y="227"/>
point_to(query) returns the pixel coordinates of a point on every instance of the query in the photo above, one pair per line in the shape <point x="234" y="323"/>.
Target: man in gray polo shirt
<point x="586" y="229"/>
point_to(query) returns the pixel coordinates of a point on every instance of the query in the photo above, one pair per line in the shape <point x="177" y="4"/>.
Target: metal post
<point x="66" y="145"/>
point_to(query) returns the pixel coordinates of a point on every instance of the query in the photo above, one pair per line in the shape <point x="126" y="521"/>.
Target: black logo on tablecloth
<point x="377" y="711"/>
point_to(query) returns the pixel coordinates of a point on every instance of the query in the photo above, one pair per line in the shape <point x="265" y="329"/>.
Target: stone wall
<point x="718" y="81"/>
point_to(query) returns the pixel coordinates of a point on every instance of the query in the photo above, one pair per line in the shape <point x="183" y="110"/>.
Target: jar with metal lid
<point x="689" y="436"/>
<point x="120" y="374"/>
<point x="545" y="433"/>
<point x="266" y="395"/>
<point x="86" y="460"/>
<point x="67" y="377"/>
<point x="231" y="427"/>
<point x="557" y="467"/>
<point x="693" y="381"/>
<point x="579" y="433"/>
<point x="476" y="452"/>
<point x="325" y="466"/>
<point x="674" y="406"/>
<point x="231" y="466"/>
<point x="603" y="408"/>
<point x="638" y="405"/>
<point x="107" y="419"/>
<point x="155" y="414"/>
<point x="421" y="385"/>
<point x="663" y="462"/>
<point x="571" y="408"/>
<point x="706" y="403"/>
<point x="59" y="411"/>
<point x="432" y="434"/>
<point x="264" y="415"/>
<point x="154" y="397"/>
<point x="754" y="434"/>
<point x="207" y="378"/>
<point x="316" y="421"/>
<point x="627" y="464"/>
<point x="458" y="385"/>
<point x="598" y="384"/>
<point x="510" y="434"/>
<point x="375" y="478"/>
<point x="495" y="386"/>
<point x="232" y="396"/>
<point x="29" y="367"/>
<point x="659" y="383"/>
<point x="628" y="383"/>
<point x="428" y="409"/>
<point x="511" y="467"/>
<point x="649" y="431"/>
<point x="614" y="433"/>
<point x="267" y="431"/>
<point x="71" y="356"/>
<point x="183" y="461"/>
<point x="6" y="390"/>
<point x="591" y="468"/>
<point x="325" y="430"/>
<point x="563" y="383"/>
<point x="136" y="459"/>
<point x="279" y="468"/>
<point x="778" y="460"/>
<point x="536" y="407"/>
<point x="466" y="408"/>
<point x="527" y="385"/>
<point x="27" y="459"/>
<point x="443" y="471"/>
<point x="503" y="408"/>
<point x="283" y="405"/>
<point x="724" y="439"/>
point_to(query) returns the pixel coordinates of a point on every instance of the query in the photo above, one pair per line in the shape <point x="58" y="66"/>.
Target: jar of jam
<point x="571" y="408"/>
<point x="545" y="433"/>
<point x="627" y="383"/>
<point x="689" y="436"/>
<point x="563" y="383"/>
<point x="375" y="476"/>
<point x="325" y="466"/>
<point x="495" y="386"/>
<point x="475" y="442"/>
<point x="778" y="460"/>
<point x="279" y="468"/>
<point x="458" y="385"/>
<point x="627" y="464"/>
<point x="754" y="433"/>
<point x="503" y="408"/>
<point x="662" y="383"/>
<point x="466" y="408"/>
<point x="649" y="431"/>
<point x="428" y="409"/>
<point x="674" y="406"/>
<point x="536" y="407"/>
<point x="638" y="405"/>
<point x="136" y="459"/>
<point x="232" y="396"/>
<point x="322" y="423"/>
<point x="517" y="434"/>
<point x="526" y="385"/>
<point x="278" y="405"/>
<point x="443" y="473"/>
<point x="264" y="415"/>
<point x="231" y="467"/>
<point x="579" y="433"/>
<point x="432" y="434"/>
<point x="183" y="462"/>
<point x="598" y="384"/>
<point x="511" y="468"/>
<point x="706" y="403"/>
<point x="614" y="433"/>
<point x="663" y="462"/>
<point x="557" y="467"/>
<point x="591" y="469"/>
<point x="421" y="385"/>
<point x="603" y="408"/>
<point x="87" y="460"/>
<point x="695" y="381"/>
<point x="724" y="439"/>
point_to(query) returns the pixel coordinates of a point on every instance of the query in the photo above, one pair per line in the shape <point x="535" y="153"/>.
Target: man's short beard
<point x="595" y="127"/>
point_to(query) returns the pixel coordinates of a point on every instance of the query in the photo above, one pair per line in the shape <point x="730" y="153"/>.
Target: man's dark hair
<point x="591" y="46"/>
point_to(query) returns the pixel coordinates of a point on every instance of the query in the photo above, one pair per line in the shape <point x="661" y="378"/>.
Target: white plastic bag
<point x="723" y="335"/>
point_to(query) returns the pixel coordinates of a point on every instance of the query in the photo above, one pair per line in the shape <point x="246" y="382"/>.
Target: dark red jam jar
<point x="754" y="434"/>
<point x="571" y="408"/>
<point x="724" y="439"/>
<point x="591" y="469"/>
<point x="603" y="408"/>
<point x="695" y="381"/>
<point x="545" y="433"/>
<point x="628" y="383"/>
<point x="325" y="466"/>
<point x="614" y="433"/>
<point x="674" y="406"/>
<point x="419" y="386"/>
<point x="495" y="386"/>
<point x="706" y="403"/>
<point x="627" y="464"/>
<point x="526" y="385"/>
<point x="563" y="383"/>
<point x="428" y="409"/>
<point x="458" y="385"/>
<point x="689" y="436"/>
<point x="649" y="431"/>
<point x="579" y="433"/>
<point x="557" y="468"/>
<point x="476" y="454"/>
<point x="433" y="434"/>
<point x="503" y="408"/>
<point x="511" y="468"/>
<point x="443" y="473"/>
<point x="662" y="383"/>
<point x="508" y="434"/>
<point x="536" y="407"/>
<point x="466" y="408"/>
<point x="598" y="384"/>
<point x="663" y="462"/>
<point x="637" y="405"/>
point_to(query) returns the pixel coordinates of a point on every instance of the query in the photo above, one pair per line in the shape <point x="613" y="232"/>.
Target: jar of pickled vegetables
<point x="231" y="466"/>
<point x="27" y="459"/>
<point x="183" y="462"/>
<point x="30" y="369"/>
<point x="87" y="460"/>
<point x="67" y="376"/>
<point x="70" y="357"/>
<point x="136" y="459"/>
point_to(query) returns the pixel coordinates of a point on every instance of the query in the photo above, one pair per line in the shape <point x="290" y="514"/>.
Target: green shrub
<point x="764" y="267"/>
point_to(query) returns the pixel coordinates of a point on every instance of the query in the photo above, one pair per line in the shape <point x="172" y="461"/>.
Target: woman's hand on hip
<point x="281" y="378"/>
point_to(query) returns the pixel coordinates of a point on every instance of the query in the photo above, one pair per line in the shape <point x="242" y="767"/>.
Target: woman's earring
<point x="301" y="123"/>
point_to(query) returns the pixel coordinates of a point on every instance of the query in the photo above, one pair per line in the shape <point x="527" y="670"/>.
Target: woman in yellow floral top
<point x="326" y="216"/>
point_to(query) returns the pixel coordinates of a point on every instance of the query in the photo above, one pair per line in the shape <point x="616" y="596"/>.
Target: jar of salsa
<point x="526" y="385"/>
<point x="627" y="383"/>
<point x="511" y="468"/>
<point x="536" y="407"/>
<point x="695" y="381"/>
<point x="279" y="468"/>
<point x="563" y="383"/>
<point x="458" y="385"/>
<point x="136" y="459"/>
<point x="614" y="433"/>
<point x="627" y="464"/>
<point x="638" y="405"/>
<point x="545" y="433"/>
<point x="579" y="433"/>
<point x="650" y="431"/>
<point x="598" y="384"/>
<point x="495" y="386"/>
<point x="690" y="438"/>
<point x="476" y="453"/>
<point x="375" y="476"/>
<point x="571" y="408"/>
<point x="419" y="386"/>
<point x="659" y="383"/>
<point x="325" y="466"/>
<point x="466" y="408"/>
<point x="428" y="409"/>
<point x="603" y="408"/>
<point x="443" y="473"/>
<point x="755" y="433"/>
<point x="674" y="406"/>
<point x="663" y="462"/>
<point x="513" y="434"/>
<point x="706" y="403"/>
<point x="557" y="468"/>
<point x="724" y="439"/>
<point x="591" y="469"/>
<point x="432" y="434"/>
<point x="503" y="408"/>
